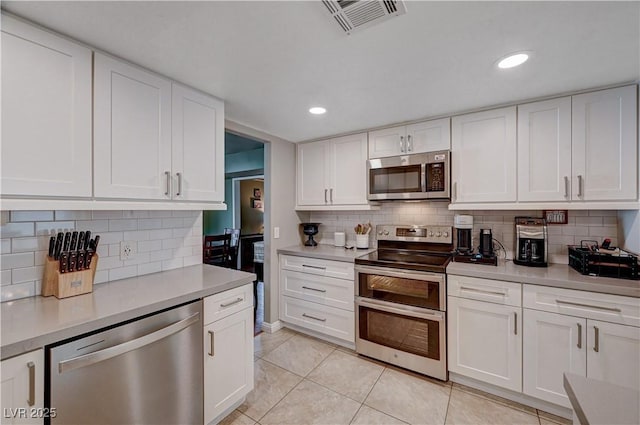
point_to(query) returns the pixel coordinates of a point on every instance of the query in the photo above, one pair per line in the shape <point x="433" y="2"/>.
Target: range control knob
<point x="430" y="233"/>
<point x="445" y="234"/>
<point x="386" y="232"/>
<point x="380" y="232"/>
<point x="438" y="234"/>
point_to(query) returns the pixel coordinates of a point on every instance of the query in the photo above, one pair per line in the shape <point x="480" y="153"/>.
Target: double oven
<point x="401" y="298"/>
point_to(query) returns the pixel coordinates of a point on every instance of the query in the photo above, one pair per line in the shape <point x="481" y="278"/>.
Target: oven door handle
<point x="437" y="316"/>
<point x="407" y="274"/>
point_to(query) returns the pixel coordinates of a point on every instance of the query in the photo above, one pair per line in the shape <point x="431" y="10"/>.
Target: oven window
<point x="395" y="179"/>
<point x="436" y="177"/>
<point x="405" y="333"/>
<point x="419" y="293"/>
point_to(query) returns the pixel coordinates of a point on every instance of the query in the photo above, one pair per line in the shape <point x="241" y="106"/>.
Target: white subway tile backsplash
<point x="14" y="292"/>
<point x="95" y="226"/>
<point x="29" y="244"/>
<point x="5" y="277"/>
<point x="73" y="215"/>
<point x="27" y="274"/>
<point x="17" y="216"/>
<point x="119" y="225"/>
<point x="139" y="258"/>
<point x="40" y="257"/>
<point x="136" y="235"/>
<point x="171" y="243"/>
<point x="146" y="246"/>
<point x="149" y="223"/>
<point x="114" y="250"/>
<point x="5" y="246"/>
<point x="151" y="267"/>
<point x="14" y="261"/>
<point x="162" y="234"/>
<point x="97" y="215"/>
<point x="162" y="255"/>
<point x="16" y="230"/>
<point x="101" y="276"/>
<point x="172" y="222"/>
<point x="123" y="272"/>
<point x="110" y="237"/>
<point x="160" y="214"/>
<point x="49" y="228"/>
<point x="174" y="263"/>
<point x="192" y="260"/>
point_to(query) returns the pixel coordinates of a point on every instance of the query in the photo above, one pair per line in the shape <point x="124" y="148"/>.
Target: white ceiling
<point x="270" y="61"/>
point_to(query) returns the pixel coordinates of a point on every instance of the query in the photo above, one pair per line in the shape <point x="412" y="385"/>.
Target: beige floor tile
<point x="237" y="418"/>
<point x="550" y="418"/>
<point x="271" y="385"/>
<point x="266" y="342"/>
<point x="409" y="398"/>
<point x="310" y="403"/>
<point x="369" y="416"/>
<point x="299" y="354"/>
<point x="467" y="408"/>
<point x="346" y="374"/>
<point x="497" y="399"/>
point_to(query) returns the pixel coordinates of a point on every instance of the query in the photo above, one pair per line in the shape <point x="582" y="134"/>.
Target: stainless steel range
<point x="401" y="297"/>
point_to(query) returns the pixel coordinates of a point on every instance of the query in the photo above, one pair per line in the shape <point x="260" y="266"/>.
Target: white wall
<point x="629" y="230"/>
<point x="165" y="240"/>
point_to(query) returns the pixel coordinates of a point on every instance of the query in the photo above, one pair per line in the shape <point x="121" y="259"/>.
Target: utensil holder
<point x="63" y="285"/>
<point x="362" y="241"/>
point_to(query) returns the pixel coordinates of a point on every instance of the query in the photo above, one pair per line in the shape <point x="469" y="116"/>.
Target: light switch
<point x="276" y="233"/>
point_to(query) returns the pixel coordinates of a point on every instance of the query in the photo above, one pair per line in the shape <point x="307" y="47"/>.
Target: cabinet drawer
<point x="329" y="291"/>
<point x="320" y="318"/>
<point x="605" y="307"/>
<point x="228" y="302"/>
<point x="495" y="291"/>
<point x="337" y="269"/>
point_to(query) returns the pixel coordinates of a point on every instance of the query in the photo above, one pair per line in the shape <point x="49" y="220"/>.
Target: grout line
<point x="280" y="401"/>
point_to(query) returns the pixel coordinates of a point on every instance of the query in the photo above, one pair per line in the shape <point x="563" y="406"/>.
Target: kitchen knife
<point x="67" y="241"/>
<point x="81" y="237"/>
<point x="73" y="259"/>
<point x="95" y="243"/>
<point x="80" y="264"/>
<point x="87" y="239"/>
<point x="58" y="248"/>
<point x="88" y="258"/>
<point x="64" y="262"/>
<point x="74" y="241"/>
<point x="52" y="245"/>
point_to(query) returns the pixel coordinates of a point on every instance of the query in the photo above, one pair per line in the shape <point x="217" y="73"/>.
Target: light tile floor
<point x="303" y="380"/>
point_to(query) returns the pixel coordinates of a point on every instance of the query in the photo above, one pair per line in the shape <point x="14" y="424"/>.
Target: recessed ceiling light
<point x="513" y="60"/>
<point x="317" y="110"/>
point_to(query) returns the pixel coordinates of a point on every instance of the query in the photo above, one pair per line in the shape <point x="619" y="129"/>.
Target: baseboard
<point x="227" y="411"/>
<point x="271" y="327"/>
<point x="319" y="335"/>
<point x="512" y="395"/>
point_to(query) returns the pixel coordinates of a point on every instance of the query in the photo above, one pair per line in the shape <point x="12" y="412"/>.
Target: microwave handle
<point x="402" y="148"/>
<point x="423" y="178"/>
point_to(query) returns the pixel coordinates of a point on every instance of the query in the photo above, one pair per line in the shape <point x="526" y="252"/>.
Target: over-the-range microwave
<point x="410" y="177"/>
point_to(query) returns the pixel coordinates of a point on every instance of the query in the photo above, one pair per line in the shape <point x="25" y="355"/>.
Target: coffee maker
<point x="464" y="226"/>
<point x="531" y="242"/>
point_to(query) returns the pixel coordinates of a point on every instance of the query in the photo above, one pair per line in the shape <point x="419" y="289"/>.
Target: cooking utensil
<point x="67" y="241"/>
<point x="81" y="237"/>
<point x="87" y="239"/>
<point x="74" y="241"/>
<point x="58" y="247"/>
<point x="64" y="262"/>
<point x="52" y="246"/>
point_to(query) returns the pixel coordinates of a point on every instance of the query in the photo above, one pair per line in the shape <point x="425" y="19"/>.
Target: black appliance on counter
<point x="486" y="243"/>
<point x="464" y="226"/>
<point x="531" y="242"/>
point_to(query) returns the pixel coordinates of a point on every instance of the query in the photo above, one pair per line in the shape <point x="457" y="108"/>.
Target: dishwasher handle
<point x="125" y="347"/>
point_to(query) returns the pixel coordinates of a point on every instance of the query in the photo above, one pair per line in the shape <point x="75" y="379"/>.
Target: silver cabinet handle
<point x="314" y="289"/>
<point x="325" y="196"/>
<point x="402" y="148"/>
<point x="211" y="344"/>
<point x="596" y="341"/>
<point x="331" y="195"/>
<point x="314" y="318"/>
<point x="515" y="323"/>
<point x="125" y="347"/>
<point x="579" y="335"/>
<point x="179" y="192"/>
<point x="455" y="190"/>
<point x="409" y="144"/>
<point x="168" y="175"/>
<point x="237" y="300"/>
<point x="482" y="291"/>
<point x="32" y="384"/>
<point x="580" y="185"/>
<point x="616" y="310"/>
<point x="566" y="186"/>
<point x="314" y="267"/>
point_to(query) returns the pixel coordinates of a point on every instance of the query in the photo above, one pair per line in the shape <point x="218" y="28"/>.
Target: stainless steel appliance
<point x="147" y="371"/>
<point x="401" y="298"/>
<point x="464" y="226"/>
<point x="531" y="242"/>
<point x="406" y="177"/>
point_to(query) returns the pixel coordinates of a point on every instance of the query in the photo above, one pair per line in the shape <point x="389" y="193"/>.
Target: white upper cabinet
<point x="544" y="150"/>
<point x="197" y="145"/>
<point x="483" y="156"/>
<point x="421" y="137"/>
<point x="605" y="145"/>
<point x="132" y="131"/>
<point x="46" y="113"/>
<point x="332" y="172"/>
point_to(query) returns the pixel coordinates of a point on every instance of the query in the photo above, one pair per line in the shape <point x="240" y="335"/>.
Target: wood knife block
<point x="63" y="285"/>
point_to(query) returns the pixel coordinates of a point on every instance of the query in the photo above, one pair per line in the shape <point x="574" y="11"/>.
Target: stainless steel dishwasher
<point x="146" y="371"/>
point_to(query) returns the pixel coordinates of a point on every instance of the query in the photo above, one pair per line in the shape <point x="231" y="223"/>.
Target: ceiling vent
<point x="354" y="15"/>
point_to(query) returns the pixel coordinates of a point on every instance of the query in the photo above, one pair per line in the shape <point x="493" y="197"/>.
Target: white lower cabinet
<point x="23" y="389"/>
<point x="228" y="351"/>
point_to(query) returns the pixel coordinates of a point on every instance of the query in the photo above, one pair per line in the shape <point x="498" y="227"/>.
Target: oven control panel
<point x="415" y="233"/>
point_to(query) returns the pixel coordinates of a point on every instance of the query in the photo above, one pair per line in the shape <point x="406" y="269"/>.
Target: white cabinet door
<point x="228" y="362"/>
<point x="197" y="145"/>
<point x="387" y="142"/>
<point x="312" y="173"/>
<point x="613" y="353"/>
<point x="46" y="113"/>
<point x="132" y="131"/>
<point x="429" y="136"/>
<point x="553" y="344"/>
<point x="348" y="170"/>
<point x="544" y="150"/>
<point x="485" y="342"/>
<point x="605" y="145"/>
<point x="483" y="155"/>
<point x="23" y="388"/>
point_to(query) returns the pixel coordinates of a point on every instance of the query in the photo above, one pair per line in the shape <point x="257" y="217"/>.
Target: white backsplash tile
<point x="16" y="230"/>
<point x="17" y="216"/>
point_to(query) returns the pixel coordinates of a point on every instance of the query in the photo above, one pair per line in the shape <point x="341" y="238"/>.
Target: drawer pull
<point x="596" y="342"/>
<point x="515" y="323"/>
<point x="212" y="347"/>
<point x="616" y="310"/>
<point x="579" y="335"/>
<point x="314" y="289"/>
<point x="314" y="318"/>
<point x="32" y="384"/>
<point x="238" y="300"/>
<point x="314" y="267"/>
<point x="482" y="291"/>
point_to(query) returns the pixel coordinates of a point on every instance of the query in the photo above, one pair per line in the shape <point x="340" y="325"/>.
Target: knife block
<point x="63" y="285"/>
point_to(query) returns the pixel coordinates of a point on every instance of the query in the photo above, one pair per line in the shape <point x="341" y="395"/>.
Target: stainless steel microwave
<point x="410" y="177"/>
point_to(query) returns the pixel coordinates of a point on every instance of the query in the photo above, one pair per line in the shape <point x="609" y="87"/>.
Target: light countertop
<point x="557" y="275"/>
<point x="325" y="252"/>
<point x="31" y="323"/>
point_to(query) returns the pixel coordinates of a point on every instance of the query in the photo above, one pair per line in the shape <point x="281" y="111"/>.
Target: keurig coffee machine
<point x="531" y="242"/>
<point x="464" y="226"/>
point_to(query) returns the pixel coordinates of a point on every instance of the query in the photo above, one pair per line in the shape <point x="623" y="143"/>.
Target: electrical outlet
<point x="128" y="250"/>
<point x="276" y="233"/>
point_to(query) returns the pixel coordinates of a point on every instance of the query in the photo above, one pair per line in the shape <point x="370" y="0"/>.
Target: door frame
<point x="235" y="198"/>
